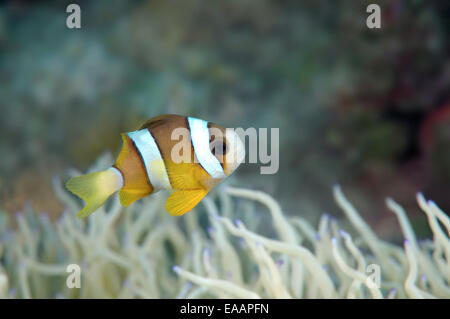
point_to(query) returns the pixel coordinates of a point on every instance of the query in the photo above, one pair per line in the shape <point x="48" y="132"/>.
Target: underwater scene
<point x="238" y="149"/>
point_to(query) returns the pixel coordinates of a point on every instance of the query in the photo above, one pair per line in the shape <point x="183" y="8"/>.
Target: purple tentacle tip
<point x="84" y="265"/>
<point x="175" y="268"/>
<point x="343" y="233"/>
<point x="238" y="222"/>
<point x="317" y="237"/>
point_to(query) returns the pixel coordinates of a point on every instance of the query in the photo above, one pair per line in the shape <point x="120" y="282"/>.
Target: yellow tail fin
<point x="95" y="188"/>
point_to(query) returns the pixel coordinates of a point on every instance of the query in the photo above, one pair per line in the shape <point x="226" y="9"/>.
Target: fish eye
<point x="219" y="148"/>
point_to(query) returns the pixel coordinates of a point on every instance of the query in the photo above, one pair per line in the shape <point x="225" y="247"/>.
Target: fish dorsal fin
<point x="158" y="120"/>
<point x="182" y="201"/>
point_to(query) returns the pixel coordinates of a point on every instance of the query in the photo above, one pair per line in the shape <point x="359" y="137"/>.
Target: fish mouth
<point x="235" y="153"/>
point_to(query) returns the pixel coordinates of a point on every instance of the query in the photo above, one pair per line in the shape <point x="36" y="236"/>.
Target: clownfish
<point x="182" y="154"/>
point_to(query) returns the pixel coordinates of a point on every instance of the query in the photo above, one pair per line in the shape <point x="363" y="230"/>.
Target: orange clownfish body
<point x="185" y="155"/>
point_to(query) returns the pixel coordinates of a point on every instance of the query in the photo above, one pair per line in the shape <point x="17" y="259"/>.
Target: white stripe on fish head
<point x="235" y="154"/>
<point x="200" y="142"/>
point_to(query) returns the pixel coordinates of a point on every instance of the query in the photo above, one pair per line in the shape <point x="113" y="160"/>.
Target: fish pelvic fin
<point x="95" y="188"/>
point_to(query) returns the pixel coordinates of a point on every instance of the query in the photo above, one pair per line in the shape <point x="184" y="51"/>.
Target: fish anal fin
<point x="129" y="196"/>
<point x="182" y="201"/>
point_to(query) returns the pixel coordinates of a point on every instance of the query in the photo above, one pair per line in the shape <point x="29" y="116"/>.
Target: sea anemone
<point x="143" y="252"/>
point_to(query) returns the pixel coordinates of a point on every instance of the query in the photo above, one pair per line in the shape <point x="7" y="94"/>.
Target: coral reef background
<point x="366" y="108"/>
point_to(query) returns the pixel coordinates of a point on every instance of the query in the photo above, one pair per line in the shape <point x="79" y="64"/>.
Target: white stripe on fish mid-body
<point x="118" y="182"/>
<point x="200" y="142"/>
<point x="153" y="161"/>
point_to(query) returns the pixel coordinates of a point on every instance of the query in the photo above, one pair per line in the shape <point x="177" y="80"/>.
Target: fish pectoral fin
<point x="129" y="196"/>
<point x="182" y="201"/>
<point x="183" y="176"/>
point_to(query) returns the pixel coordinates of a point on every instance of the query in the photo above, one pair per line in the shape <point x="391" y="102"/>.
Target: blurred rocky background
<point x="366" y="108"/>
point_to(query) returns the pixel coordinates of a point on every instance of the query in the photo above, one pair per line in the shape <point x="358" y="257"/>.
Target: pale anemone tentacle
<point x="316" y="271"/>
<point x="410" y="284"/>
<point x="198" y="292"/>
<point x="425" y="263"/>
<point x="4" y="284"/>
<point x="440" y="239"/>
<point x="284" y="230"/>
<point x="392" y="269"/>
<point x="223" y="285"/>
<point x="353" y="273"/>
<point x="279" y="291"/>
<point x="129" y="252"/>
<point x="354" y="289"/>
<point x="229" y="257"/>
<point x="306" y="229"/>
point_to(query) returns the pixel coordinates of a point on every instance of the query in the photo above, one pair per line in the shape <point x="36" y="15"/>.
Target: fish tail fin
<point x="95" y="188"/>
